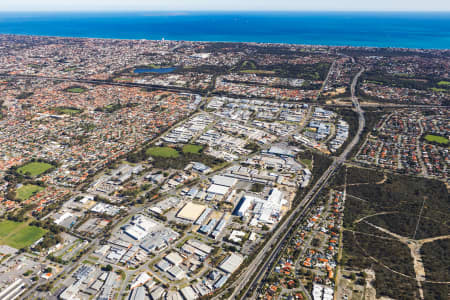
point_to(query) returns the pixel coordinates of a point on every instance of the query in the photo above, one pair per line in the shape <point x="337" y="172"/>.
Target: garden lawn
<point x="27" y="190"/>
<point x="257" y="72"/>
<point x="68" y="110"/>
<point x="307" y="163"/>
<point x="195" y="149"/>
<point x="34" y="168"/>
<point x="166" y="152"/>
<point x="76" y="90"/>
<point x="19" y="234"/>
<point x="437" y="139"/>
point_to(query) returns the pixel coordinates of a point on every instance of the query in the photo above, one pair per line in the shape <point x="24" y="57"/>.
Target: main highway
<point x="255" y="272"/>
<point x="153" y="87"/>
<point x="252" y="276"/>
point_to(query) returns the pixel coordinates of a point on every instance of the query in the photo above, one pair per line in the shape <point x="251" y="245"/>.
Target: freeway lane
<point x="187" y="90"/>
<point x="110" y="82"/>
<point x="250" y="279"/>
<point x="270" y="250"/>
<point x="266" y="256"/>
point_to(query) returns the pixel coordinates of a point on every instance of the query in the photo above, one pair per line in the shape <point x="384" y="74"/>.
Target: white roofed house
<point x="176" y="272"/>
<point x="134" y="232"/>
<point x="143" y="222"/>
<point x="231" y="263"/>
<point x="140" y="280"/>
<point x="174" y="258"/>
<point x="280" y="151"/>
<point x="243" y="205"/>
<point x="223" y="180"/>
<point x="218" y="189"/>
<point x="139" y="227"/>
<point x="276" y="197"/>
<point x="188" y="293"/>
<point x="266" y="210"/>
<point x="270" y="209"/>
<point x="138" y="293"/>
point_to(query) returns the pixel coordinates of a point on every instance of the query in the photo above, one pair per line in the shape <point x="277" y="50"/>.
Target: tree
<point x="257" y="187"/>
<point x="107" y="268"/>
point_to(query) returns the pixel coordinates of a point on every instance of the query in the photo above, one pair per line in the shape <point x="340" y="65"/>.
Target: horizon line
<point x="225" y="11"/>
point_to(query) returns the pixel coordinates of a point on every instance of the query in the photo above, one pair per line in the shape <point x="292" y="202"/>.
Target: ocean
<point x="377" y="29"/>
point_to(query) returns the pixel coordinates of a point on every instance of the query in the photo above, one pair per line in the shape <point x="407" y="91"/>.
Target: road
<point x="252" y="276"/>
<point x="110" y="82"/>
<point x="206" y="93"/>
<point x="324" y="84"/>
<point x="274" y="245"/>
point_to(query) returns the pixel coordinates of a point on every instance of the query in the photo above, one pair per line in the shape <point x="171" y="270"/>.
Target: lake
<point x="160" y="70"/>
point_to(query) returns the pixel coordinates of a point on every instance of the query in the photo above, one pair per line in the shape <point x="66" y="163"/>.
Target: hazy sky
<point x="286" y="5"/>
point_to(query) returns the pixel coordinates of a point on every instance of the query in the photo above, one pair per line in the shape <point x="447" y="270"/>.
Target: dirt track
<point x="414" y="246"/>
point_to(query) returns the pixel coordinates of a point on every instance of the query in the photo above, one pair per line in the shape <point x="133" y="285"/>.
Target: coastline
<point x="232" y="42"/>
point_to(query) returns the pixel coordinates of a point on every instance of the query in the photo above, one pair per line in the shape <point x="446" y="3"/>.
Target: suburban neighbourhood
<point x="138" y="169"/>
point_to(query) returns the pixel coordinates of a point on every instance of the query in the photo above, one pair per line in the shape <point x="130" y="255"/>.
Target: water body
<point x="405" y="30"/>
<point x="160" y="70"/>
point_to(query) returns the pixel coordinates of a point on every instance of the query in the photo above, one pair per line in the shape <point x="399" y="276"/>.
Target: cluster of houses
<point x="119" y="117"/>
<point x="402" y="95"/>
<point x="188" y="130"/>
<point x="312" y="248"/>
<point x="322" y="127"/>
<point x="413" y="69"/>
<point x="242" y="110"/>
<point x="252" y="89"/>
<point x="400" y="144"/>
<point x="88" y="281"/>
<point x="194" y="81"/>
<point x="200" y="227"/>
<point x="342" y="131"/>
<point x="339" y="77"/>
<point x="264" y="80"/>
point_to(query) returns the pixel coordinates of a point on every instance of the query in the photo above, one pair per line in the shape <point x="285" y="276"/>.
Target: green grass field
<point x="76" y="90"/>
<point x="195" y="149"/>
<point x="152" y="67"/>
<point x="437" y="139"/>
<point x="123" y="79"/>
<point x="68" y="110"/>
<point x="166" y="152"/>
<point x="19" y="235"/>
<point x="257" y="72"/>
<point x="447" y="83"/>
<point x="307" y="163"/>
<point x="27" y="190"/>
<point x="248" y="64"/>
<point x="34" y="168"/>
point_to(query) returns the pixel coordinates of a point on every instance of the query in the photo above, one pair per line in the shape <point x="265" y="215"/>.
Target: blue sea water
<point x="405" y="30"/>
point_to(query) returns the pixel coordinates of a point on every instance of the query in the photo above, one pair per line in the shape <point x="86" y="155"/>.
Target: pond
<point x="160" y="70"/>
